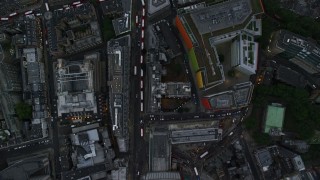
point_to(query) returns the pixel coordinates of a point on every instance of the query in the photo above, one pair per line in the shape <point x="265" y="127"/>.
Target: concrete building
<point x="242" y="93"/>
<point x="245" y="53"/>
<point x="237" y="97"/>
<point x="118" y="82"/>
<point x="290" y="77"/>
<point x="73" y="30"/>
<point x="30" y="32"/>
<point x="202" y="30"/>
<point x="315" y="96"/>
<point x="157" y="7"/>
<point x="122" y="24"/>
<point x="221" y="16"/>
<point x="30" y="168"/>
<point x="121" y="9"/>
<point x="153" y="79"/>
<point x="34" y="88"/>
<point x="112" y="7"/>
<point x="276" y="162"/>
<point x="298" y="163"/>
<point x="91" y="154"/>
<point x="176" y="90"/>
<point x="159" y="151"/>
<point x="87" y="150"/>
<point x="223" y="100"/>
<point x="161" y="176"/>
<point x="297" y="49"/>
<point x="297" y="145"/>
<point x="195" y="135"/>
<point x="167" y="40"/>
<point x="264" y="159"/>
<point x="76" y="83"/>
<point x="119" y="174"/>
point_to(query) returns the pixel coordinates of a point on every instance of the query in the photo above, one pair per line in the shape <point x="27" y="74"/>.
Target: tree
<point x="221" y="58"/>
<point x="24" y="111"/>
<point x="231" y="73"/>
<point x="186" y="109"/>
<point x="301" y="116"/>
<point x="261" y="138"/>
<point x="107" y="29"/>
<point x="251" y="123"/>
<point x="178" y="69"/>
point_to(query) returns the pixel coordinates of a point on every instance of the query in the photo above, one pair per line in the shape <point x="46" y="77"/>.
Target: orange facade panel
<point x="183" y="33"/>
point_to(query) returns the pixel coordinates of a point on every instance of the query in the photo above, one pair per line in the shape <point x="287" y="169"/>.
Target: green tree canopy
<point x="302" y="117"/>
<point x="221" y="58"/>
<point x="24" y="111"/>
<point x="231" y="73"/>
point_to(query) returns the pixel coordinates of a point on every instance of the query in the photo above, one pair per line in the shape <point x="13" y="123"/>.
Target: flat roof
<point x="159" y="151"/>
<point x="195" y="135"/>
<point x="156" y="5"/>
<point x="169" y="37"/>
<point x="307" y="53"/>
<point x="111" y="6"/>
<point x="222" y="15"/>
<point x="274" y="117"/>
<point x="290" y="77"/>
<point x="242" y="93"/>
<point x="264" y="158"/>
<point x="122" y="24"/>
<point x="207" y="65"/>
<point x="178" y="89"/>
<point x="162" y="176"/>
<point x="222" y="100"/>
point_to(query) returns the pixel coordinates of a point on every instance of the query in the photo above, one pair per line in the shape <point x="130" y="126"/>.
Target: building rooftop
<point x="221" y="16"/>
<point x="34" y="84"/>
<point x="159" y="151"/>
<point x="291" y="77"/>
<point x="87" y="151"/>
<point x="157" y="5"/>
<point x="305" y="53"/>
<point x="177" y="89"/>
<point x="73" y="29"/>
<point x="195" y="135"/>
<point x="277" y="161"/>
<point x="243" y="93"/>
<point x="75" y="85"/>
<point x="222" y="100"/>
<point x="118" y="81"/>
<point x="298" y="163"/>
<point x="274" y="117"/>
<point x="161" y="176"/>
<point x="111" y="7"/>
<point x="297" y="145"/>
<point x="26" y="168"/>
<point x="119" y="174"/>
<point x="264" y="159"/>
<point x="122" y="24"/>
<point x="168" y="36"/>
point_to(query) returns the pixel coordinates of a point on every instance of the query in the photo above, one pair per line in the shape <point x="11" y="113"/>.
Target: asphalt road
<point x="189" y="116"/>
<point x="138" y="148"/>
<point x="215" y="148"/>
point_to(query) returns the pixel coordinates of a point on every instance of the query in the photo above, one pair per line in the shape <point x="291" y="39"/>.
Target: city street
<point x="138" y="147"/>
<point x="139" y="120"/>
